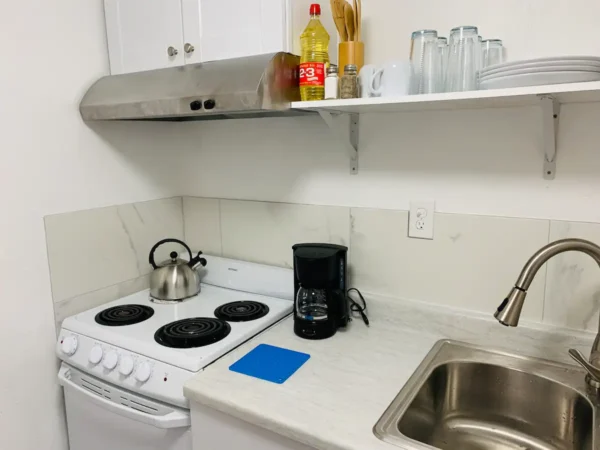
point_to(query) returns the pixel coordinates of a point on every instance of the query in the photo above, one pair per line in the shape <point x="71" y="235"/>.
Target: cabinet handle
<point x="188" y="48"/>
<point x="172" y="51"/>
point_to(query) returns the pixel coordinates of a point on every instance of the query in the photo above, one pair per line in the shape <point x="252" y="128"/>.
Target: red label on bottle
<point x="312" y="74"/>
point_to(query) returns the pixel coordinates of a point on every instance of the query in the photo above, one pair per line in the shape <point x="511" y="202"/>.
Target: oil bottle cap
<point x="315" y="9"/>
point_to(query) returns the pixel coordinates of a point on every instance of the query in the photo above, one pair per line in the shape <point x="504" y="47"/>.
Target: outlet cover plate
<point x="420" y="219"/>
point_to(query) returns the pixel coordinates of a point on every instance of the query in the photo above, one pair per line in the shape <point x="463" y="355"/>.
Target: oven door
<point x="101" y="416"/>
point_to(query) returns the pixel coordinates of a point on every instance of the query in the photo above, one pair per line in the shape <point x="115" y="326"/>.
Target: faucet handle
<point x="593" y="371"/>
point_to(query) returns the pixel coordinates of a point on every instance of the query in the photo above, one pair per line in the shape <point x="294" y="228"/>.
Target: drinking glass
<point x="492" y="52"/>
<point x="425" y="61"/>
<point x="479" y="59"/>
<point x="463" y="60"/>
<point x="443" y="64"/>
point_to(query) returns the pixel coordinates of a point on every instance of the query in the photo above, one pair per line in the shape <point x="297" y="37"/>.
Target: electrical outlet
<point x="420" y="220"/>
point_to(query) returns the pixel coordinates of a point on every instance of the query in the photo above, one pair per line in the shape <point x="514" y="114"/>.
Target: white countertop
<point x="334" y="400"/>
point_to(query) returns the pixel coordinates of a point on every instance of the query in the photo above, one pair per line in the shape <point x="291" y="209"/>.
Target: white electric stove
<point x="125" y="362"/>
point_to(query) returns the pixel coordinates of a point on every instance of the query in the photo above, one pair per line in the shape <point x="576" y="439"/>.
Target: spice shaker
<point x="331" y="83"/>
<point x="349" y="84"/>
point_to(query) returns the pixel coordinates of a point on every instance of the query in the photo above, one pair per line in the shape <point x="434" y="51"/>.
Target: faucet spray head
<point x="509" y="311"/>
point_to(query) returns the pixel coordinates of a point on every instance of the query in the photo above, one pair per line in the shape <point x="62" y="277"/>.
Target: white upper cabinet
<point x="192" y="30"/>
<point x="153" y="34"/>
<point x="226" y="29"/>
<point x="143" y="34"/>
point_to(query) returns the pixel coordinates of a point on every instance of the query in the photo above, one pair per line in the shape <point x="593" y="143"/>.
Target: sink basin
<point x="466" y="398"/>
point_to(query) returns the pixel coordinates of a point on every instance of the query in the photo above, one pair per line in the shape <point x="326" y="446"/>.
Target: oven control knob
<point x="69" y="345"/>
<point x="96" y="354"/>
<point x="143" y="372"/>
<point x="110" y="360"/>
<point x="126" y="366"/>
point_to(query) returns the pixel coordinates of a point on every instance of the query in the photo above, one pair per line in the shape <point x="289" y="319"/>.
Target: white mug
<point x="365" y="78"/>
<point x="393" y="79"/>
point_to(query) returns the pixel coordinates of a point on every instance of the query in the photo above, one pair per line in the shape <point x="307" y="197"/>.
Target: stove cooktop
<point x="189" y="335"/>
<point x="243" y="311"/>
<point x="123" y="315"/>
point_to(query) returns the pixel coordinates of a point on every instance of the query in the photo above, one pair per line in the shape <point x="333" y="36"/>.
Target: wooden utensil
<point x="337" y="10"/>
<point x="349" y="20"/>
<point x="358" y="13"/>
<point x="355" y="3"/>
<point x="341" y="7"/>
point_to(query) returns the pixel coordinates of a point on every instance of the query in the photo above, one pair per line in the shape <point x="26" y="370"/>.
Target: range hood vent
<point x="255" y="86"/>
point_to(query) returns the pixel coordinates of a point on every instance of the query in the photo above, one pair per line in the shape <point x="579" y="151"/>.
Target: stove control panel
<point x="122" y="368"/>
<point x="110" y="360"/>
<point x="143" y="371"/>
<point x="96" y="354"/>
<point x="68" y="344"/>
<point x="126" y="366"/>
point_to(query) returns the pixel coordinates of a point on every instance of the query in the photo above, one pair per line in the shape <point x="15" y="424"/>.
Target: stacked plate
<point x="537" y="72"/>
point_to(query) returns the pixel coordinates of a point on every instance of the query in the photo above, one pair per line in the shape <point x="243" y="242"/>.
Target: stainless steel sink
<point x="466" y="398"/>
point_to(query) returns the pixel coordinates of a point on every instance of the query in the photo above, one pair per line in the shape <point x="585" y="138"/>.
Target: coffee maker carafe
<point x="320" y="304"/>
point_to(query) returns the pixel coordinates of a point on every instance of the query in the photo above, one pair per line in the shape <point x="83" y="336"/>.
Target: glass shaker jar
<point x="349" y="84"/>
<point x="331" y="83"/>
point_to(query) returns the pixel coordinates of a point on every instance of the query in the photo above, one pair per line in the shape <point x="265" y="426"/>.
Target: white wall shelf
<point x="549" y="98"/>
<point x="498" y="98"/>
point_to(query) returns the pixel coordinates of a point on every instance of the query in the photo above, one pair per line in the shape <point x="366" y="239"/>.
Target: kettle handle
<point x="164" y="241"/>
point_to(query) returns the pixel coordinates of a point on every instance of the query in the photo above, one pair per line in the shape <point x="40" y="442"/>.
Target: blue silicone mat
<point x="270" y="363"/>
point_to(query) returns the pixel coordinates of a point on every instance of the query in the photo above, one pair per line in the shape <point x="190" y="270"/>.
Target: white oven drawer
<point x="101" y="416"/>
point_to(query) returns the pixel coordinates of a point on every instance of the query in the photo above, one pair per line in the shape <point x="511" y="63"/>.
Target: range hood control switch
<point x="196" y="105"/>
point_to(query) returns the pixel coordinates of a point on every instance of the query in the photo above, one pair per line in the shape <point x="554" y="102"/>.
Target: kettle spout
<point x="197" y="261"/>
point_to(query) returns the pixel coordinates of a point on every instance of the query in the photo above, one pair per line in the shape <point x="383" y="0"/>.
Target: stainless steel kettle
<point x="175" y="279"/>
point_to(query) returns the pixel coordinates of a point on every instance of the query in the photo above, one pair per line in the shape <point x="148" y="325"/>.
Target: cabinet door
<point x="223" y="29"/>
<point x="140" y="33"/>
<point x="212" y="429"/>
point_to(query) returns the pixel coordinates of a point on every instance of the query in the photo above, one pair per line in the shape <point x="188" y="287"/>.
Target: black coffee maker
<point x="320" y="304"/>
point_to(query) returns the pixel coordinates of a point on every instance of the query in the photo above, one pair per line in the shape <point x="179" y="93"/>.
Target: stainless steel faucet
<point x="509" y="311"/>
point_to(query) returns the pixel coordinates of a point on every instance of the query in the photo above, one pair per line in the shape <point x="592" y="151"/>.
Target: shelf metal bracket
<point x="550" y="120"/>
<point x="345" y="128"/>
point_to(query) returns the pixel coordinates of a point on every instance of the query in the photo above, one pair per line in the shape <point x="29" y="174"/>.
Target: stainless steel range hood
<point x="256" y="86"/>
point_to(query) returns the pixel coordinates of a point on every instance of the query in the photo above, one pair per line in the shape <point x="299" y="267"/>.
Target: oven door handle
<point x="175" y="419"/>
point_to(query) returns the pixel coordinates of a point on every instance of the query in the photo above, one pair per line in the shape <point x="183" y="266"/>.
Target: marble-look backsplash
<point x="573" y="280"/>
<point x="472" y="262"/>
<point x="100" y="255"/>
<point x="259" y="231"/>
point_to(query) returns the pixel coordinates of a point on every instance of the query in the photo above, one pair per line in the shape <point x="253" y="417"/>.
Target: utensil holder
<point x="351" y="52"/>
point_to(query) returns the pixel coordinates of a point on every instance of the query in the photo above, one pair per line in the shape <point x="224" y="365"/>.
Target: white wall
<point x="476" y="162"/>
<point x="470" y="162"/>
<point x="50" y="163"/>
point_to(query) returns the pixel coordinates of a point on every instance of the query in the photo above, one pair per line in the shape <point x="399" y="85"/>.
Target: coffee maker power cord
<point x="356" y="307"/>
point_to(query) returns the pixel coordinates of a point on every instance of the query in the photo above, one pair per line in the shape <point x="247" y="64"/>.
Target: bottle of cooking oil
<point x="315" y="57"/>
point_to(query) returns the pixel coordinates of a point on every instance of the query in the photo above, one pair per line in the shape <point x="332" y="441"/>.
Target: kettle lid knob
<point x="173" y="256"/>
